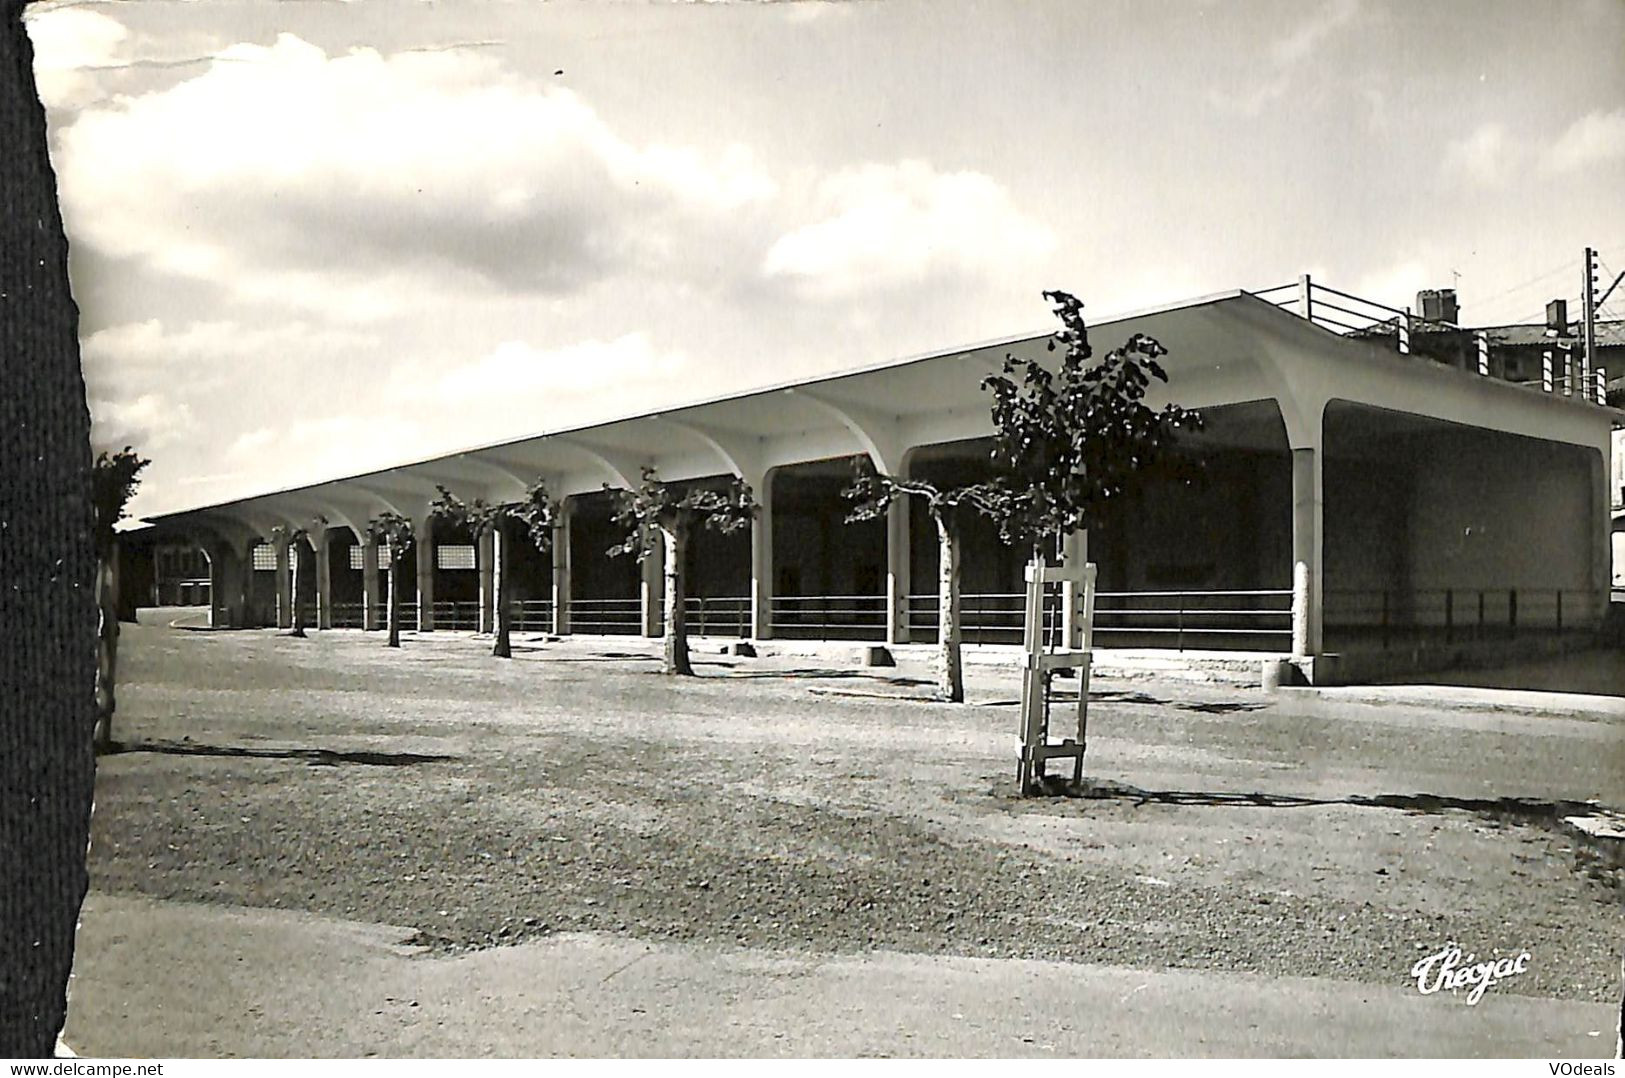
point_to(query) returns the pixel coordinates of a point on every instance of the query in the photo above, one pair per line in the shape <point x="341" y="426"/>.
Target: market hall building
<point x="1363" y="507"/>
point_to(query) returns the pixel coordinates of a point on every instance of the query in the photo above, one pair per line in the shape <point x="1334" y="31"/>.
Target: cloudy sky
<point x="310" y="237"/>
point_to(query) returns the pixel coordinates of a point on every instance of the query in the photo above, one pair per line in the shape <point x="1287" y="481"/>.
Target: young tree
<point x="667" y="513"/>
<point x="536" y="513"/>
<point x="874" y="494"/>
<point x="396" y="533"/>
<point x="1068" y="442"/>
<point x="297" y="537"/>
<point x="113" y="482"/>
<point x="1065" y="444"/>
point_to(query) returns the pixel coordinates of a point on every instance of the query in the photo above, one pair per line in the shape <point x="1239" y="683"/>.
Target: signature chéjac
<point x="1447" y="969"/>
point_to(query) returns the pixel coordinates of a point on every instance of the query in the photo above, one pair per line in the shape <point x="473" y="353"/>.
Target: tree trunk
<point x="48" y="570"/>
<point x="107" y="630"/>
<point x="951" y="681"/>
<point x="676" y="637"/>
<point x="297" y="609"/>
<point x="502" y="649"/>
<point x="392" y="603"/>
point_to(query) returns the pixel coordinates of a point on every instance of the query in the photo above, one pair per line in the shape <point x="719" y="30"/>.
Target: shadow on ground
<point x="1515" y="809"/>
<point x="1133" y="696"/>
<point x="832" y="673"/>
<point x="315" y="757"/>
<point x="1531" y="812"/>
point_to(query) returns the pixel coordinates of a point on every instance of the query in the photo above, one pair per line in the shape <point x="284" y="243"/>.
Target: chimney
<point x="1438" y="305"/>
<point x="1557" y="316"/>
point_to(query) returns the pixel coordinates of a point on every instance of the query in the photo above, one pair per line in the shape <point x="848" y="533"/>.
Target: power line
<point x="1525" y="284"/>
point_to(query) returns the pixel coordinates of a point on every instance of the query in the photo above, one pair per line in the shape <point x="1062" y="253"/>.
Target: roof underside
<point x="1214" y="345"/>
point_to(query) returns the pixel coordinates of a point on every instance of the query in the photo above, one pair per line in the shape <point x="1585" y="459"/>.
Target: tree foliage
<point x="295" y="536"/>
<point x="114" y="481"/>
<point x="661" y="515"/>
<point x="873" y="494"/>
<point x="395" y="531"/>
<point x="1068" y="442"/>
<point x="537" y="512"/>
<point x="657" y="506"/>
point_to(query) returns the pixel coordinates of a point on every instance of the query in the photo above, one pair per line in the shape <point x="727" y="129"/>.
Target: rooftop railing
<point x="1564" y="368"/>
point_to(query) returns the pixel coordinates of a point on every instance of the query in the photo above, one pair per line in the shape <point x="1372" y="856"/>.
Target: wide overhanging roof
<point x="1214" y="344"/>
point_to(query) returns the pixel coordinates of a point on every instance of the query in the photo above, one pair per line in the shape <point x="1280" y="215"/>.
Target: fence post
<point x="1560" y="611"/>
<point x="1480" y="635"/>
<point x="1450" y="615"/>
<point x="1179" y="632"/>
<point x="1385" y="619"/>
<point x="1512" y="611"/>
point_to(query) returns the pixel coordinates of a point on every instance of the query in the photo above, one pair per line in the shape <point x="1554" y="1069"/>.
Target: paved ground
<point x="1252" y="861"/>
<point x="161" y="978"/>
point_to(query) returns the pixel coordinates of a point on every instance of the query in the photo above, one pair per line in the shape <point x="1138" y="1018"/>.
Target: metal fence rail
<point x="457" y="614"/>
<point x="720" y="615"/>
<point x="858" y="617"/>
<point x="1399" y="616"/>
<point x="1212" y="620"/>
<point x="531" y="615"/>
<point x="606" y="616"/>
<point x="347" y="615"/>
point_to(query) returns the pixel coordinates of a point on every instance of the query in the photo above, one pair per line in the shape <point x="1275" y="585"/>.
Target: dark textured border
<point x="47" y="574"/>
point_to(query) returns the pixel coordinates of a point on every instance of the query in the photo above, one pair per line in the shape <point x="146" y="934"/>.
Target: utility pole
<point x="1588" y="309"/>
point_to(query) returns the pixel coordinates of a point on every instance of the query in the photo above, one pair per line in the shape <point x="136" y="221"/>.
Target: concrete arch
<point x="877" y="434"/>
<point x="621" y="468"/>
<point x="743" y="461"/>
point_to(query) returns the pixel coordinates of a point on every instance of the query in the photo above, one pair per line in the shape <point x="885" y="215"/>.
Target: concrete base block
<point x="876" y="655"/>
<point x="743" y="648"/>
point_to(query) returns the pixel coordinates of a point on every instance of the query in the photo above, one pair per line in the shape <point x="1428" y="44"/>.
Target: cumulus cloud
<point x="128" y="359"/>
<point x="1597" y="138"/>
<point x="353" y="183"/>
<point x="67" y="41"/>
<point x="1485" y="156"/>
<point x="149" y="421"/>
<point x="892" y="226"/>
<point x="324" y="447"/>
<point x="505" y="392"/>
<point x="1288" y="55"/>
<point x="515" y="368"/>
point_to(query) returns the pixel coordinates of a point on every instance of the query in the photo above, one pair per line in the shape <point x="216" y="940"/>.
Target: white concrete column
<point x="652" y="587"/>
<point x="499" y="566"/>
<point x="228" y="589"/>
<point x="761" y="562"/>
<point x="897" y="571"/>
<point x="561" y="570"/>
<point x="219" y="609"/>
<point x="423" y="540"/>
<point x="1602" y="558"/>
<point x="324" y="578"/>
<point x="485" y="559"/>
<point x="1307" y="530"/>
<point x="370" y="595"/>
<point x="284" y="584"/>
<point x="1074" y="552"/>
